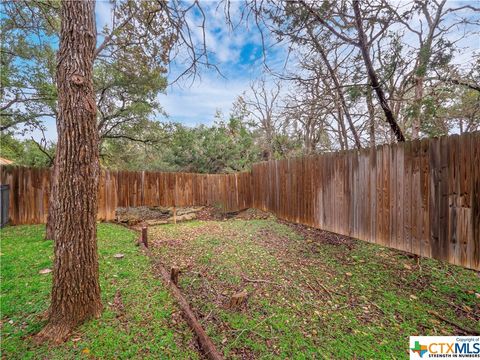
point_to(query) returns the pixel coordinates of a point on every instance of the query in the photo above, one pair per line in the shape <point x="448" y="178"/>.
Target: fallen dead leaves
<point x="216" y="267"/>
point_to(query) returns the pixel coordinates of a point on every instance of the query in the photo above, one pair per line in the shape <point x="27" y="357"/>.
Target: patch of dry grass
<point x="312" y="294"/>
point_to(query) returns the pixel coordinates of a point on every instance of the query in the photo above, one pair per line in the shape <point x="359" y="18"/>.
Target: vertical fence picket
<point x="421" y="196"/>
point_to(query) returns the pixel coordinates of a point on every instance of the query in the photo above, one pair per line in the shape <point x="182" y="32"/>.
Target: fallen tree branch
<point x="260" y="281"/>
<point x="322" y="286"/>
<point x="460" y="327"/>
<point x="204" y="340"/>
<point x="206" y="344"/>
<point x="329" y="292"/>
<point x="251" y="329"/>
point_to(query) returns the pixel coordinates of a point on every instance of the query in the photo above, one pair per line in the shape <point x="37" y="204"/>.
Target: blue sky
<point x="238" y="55"/>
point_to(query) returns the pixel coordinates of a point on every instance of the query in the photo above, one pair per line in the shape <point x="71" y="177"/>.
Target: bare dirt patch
<point x="210" y="213"/>
<point x="156" y="215"/>
<point x="320" y="236"/>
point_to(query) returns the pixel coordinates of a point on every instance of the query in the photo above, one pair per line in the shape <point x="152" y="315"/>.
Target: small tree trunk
<point x="341" y="123"/>
<point x="371" y="114"/>
<point x="76" y="290"/>
<point x="269" y="142"/>
<point x="417" y="117"/>
<point x="174" y="272"/>
<point x="338" y="88"/>
<point x="372" y="75"/>
<point x="340" y="132"/>
<point x="308" y="139"/>
<point x="144" y="237"/>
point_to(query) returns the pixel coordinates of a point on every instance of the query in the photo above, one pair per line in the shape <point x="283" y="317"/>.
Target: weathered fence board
<point x="30" y="190"/>
<point x="421" y="196"/>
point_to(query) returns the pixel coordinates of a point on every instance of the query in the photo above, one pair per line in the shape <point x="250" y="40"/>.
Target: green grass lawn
<point x="311" y="294"/>
<point x="316" y="295"/>
<point x="149" y="326"/>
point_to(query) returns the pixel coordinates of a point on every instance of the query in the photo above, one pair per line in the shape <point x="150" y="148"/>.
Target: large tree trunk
<point x="76" y="290"/>
<point x="50" y="229"/>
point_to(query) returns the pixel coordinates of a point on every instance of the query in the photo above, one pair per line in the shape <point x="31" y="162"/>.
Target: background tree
<point x="141" y="146"/>
<point x="433" y="30"/>
<point x="309" y="115"/>
<point x="129" y="68"/>
<point x="337" y="19"/>
<point x="377" y="50"/>
<point x="27" y="63"/>
<point x="261" y="104"/>
<point x="227" y="146"/>
<point x="26" y="152"/>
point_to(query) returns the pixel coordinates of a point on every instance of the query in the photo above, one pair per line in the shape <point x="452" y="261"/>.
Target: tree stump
<point x="238" y="300"/>
<point x="174" y="274"/>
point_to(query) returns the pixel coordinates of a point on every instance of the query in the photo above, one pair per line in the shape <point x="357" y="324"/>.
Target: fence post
<point x="144" y="236"/>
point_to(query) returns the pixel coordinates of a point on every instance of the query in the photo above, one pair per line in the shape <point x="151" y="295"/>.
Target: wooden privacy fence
<point x="422" y="196"/>
<point x="29" y="191"/>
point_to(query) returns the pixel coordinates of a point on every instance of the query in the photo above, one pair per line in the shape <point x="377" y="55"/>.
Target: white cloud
<point x="238" y="55"/>
<point x="197" y="104"/>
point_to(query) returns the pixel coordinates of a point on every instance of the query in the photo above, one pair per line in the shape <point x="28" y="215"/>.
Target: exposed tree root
<point x="54" y="333"/>
<point x="57" y="332"/>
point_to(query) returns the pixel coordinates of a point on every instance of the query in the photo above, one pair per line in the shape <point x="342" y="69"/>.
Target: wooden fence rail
<point x="29" y="191"/>
<point x="422" y="196"/>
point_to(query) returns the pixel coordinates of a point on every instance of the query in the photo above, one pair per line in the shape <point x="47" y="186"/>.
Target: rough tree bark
<point x="372" y="75"/>
<point x="50" y="228"/>
<point x="417" y="119"/>
<point x="371" y="116"/>
<point x="76" y="290"/>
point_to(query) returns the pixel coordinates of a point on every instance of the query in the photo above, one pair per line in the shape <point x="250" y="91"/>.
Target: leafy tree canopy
<point x="129" y="69"/>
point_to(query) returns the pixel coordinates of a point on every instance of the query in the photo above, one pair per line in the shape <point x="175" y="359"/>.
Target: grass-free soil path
<point x="311" y="294"/>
